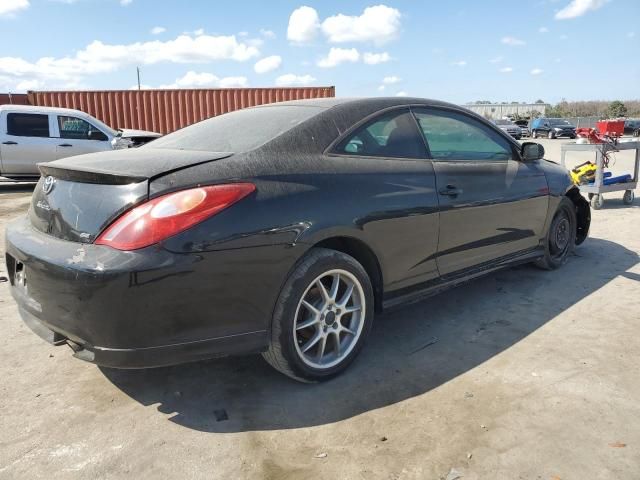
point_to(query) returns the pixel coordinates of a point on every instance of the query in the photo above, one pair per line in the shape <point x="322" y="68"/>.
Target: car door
<point x="385" y="161"/>
<point x="78" y="136"/>
<point x="492" y="204"/>
<point x="26" y="143"/>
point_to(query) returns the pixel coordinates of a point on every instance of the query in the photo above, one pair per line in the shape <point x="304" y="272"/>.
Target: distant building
<point x="501" y="110"/>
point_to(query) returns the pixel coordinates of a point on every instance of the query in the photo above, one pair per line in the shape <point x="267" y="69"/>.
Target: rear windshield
<point x="238" y="131"/>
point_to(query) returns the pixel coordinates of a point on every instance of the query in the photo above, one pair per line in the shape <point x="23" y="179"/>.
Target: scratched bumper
<point x="148" y="307"/>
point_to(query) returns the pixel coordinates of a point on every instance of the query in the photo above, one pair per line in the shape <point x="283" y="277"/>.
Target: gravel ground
<point x="523" y="375"/>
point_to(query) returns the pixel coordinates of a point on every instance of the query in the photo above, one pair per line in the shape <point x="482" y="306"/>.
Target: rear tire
<point x="561" y="237"/>
<point x="551" y="135"/>
<point x="318" y="326"/>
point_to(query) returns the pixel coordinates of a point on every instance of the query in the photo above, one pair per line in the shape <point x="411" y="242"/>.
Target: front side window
<point x="78" y="129"/>
<point x="393" y="134"/>
<point x="453" y="136"/>
<point x="28" y="124"/>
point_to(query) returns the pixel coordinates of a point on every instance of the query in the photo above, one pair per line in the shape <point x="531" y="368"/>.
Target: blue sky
<point x="458" y="51"/>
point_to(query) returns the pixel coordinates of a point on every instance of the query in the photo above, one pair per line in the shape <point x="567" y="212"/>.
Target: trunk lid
<point x="78" y="197"/>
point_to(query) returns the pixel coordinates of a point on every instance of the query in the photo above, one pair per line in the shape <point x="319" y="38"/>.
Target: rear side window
<point x="393" y="134"/>
<point x="453" y="136"/>
<point x="28" y="124"/>
<point x="238" y="131"/>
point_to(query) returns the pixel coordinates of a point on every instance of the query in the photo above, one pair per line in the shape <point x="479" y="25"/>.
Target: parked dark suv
<point x="552" y="128"/>
<point x="632" y="127"/>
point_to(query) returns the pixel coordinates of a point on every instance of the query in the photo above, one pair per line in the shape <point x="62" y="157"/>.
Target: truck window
<point x="78" y="129"/>
<point x="28" y="124"/>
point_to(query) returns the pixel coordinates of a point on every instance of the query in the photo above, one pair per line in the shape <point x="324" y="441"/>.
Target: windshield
<point x="503" y="122"/>
<point x="238" y="131"/>
<point x="558" y="122"/>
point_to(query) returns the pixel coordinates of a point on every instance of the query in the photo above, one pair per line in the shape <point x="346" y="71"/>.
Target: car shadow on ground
<point x="411" y="350"/>
<point x="16" y="187"/>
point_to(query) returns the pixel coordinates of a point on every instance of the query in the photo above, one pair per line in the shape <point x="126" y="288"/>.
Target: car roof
<point x="39" y="109"/>
<point x="373" y="102"/>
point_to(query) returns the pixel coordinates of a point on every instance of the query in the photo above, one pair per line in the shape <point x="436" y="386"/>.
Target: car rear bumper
<point x="145" y="308"/>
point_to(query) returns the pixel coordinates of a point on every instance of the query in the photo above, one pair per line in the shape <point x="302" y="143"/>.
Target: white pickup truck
<point x="30" y="135"/>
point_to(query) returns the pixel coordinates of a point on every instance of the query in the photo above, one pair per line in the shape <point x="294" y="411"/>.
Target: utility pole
<point x="138" y="70"/>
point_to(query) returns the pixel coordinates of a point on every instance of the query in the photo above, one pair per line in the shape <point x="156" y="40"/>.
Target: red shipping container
<point x="164" y="111"/>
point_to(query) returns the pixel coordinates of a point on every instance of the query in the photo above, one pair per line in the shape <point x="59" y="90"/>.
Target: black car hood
<point x="127" y="165"/>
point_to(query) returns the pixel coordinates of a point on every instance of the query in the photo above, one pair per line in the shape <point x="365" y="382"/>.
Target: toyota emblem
<point x="48" y="185"/>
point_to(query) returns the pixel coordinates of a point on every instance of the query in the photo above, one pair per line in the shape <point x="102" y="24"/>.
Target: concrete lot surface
<point x="522" y="375"/>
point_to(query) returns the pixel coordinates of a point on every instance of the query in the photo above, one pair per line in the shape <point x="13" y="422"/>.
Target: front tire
<point x="322" y="317"/>
<point x="561" y="237"/>
<point x="551" y="135"/>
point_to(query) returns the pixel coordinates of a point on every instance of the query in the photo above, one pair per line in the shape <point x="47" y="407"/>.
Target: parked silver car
<point x="30" y="135"/>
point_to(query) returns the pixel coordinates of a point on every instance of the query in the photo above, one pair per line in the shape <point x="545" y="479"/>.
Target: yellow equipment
<point x="584" y="173"/>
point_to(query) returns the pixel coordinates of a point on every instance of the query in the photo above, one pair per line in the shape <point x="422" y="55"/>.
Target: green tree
<point x="616" y="109"/>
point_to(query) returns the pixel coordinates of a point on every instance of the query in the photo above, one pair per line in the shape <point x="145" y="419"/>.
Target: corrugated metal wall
<point x="164" y="111"/>
<point x="14" y="98"/>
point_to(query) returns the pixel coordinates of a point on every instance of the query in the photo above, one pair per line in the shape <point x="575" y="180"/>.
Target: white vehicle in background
<point x="30" y="135"/>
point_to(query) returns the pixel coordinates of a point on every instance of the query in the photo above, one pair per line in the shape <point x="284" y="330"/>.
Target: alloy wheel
<point x="329" y="319"/>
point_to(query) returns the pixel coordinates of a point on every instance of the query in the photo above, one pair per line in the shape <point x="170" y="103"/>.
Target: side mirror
<point x="531" y="151"/>
<point x="96" y="135"/>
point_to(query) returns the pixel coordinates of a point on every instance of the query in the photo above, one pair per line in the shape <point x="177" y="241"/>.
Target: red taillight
<point x="167" y="215"/>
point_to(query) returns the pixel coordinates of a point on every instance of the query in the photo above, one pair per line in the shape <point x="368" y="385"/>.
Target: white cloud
<point x="381" y="88"/>
<point x="564" y="37"/>
<point x="290" y="79"/>
<point x="543" y="30"/>
<point x="27" y="85"/>
<point x="206" y="80"/>
<point x="375" y="58"/>
<point x="512" y="41"/>
<point x="9" y="7"/>
<point x="124" y="3"/>
<point x="336" y="56"/>
<point x="536" y="71"/>
<point x="158" y="30"/>
<point x="378" y="24"/>
<point x="267" y="33"/>
<point x="506" y="70"/>
<point x="198" y="32"/>
<point x="459" y="63"/>
<point x="243" y="34"/>
<point x="401" y="93"/>
<point x="631" y="34"/>
<point x="496" y="60"/>
<point x="391" y="80"/>
<point x="268" y="64"/>
<point x="99" y="57"/>
<point x="577" y="8"/>
<point x="304" y="24"/>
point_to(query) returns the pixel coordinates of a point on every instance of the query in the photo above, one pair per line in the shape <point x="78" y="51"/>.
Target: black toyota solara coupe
<point x="281" y="229"/>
